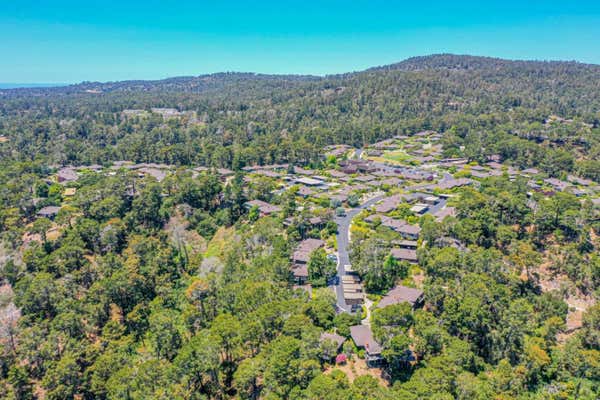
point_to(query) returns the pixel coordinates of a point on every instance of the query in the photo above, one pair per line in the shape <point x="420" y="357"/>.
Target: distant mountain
<point x="218" y="81"/>
<point x="188" y="84"/>
<point x="252" y="118"/>
<point x="467" y="62"/>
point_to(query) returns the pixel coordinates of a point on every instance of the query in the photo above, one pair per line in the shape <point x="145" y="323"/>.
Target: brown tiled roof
<point x="336" y="174"/>
<point x="406" y="243"/>
<point x="158" y="174"/>
<point x="401" y="226"/>
<point x="302" y="171"/>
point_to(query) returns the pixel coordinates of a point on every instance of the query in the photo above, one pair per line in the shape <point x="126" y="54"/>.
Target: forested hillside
<point x="243" y="119"/>
<point x="423" y="230"/>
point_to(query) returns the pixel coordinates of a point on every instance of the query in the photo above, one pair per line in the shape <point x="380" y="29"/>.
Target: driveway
<point x="343" y="240"/>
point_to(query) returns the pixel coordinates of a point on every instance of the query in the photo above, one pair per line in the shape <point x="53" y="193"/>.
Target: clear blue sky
<point x="72" y="41"/>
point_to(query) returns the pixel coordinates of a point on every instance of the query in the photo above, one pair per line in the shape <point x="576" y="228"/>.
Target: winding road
<point x="343" y="235"/>
<point x="343" y="240"/>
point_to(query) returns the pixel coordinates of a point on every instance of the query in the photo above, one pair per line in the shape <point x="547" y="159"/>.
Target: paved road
<point x="343" y="241"/>
<point x="435" y="208"/>
<point x="343" y="224"/>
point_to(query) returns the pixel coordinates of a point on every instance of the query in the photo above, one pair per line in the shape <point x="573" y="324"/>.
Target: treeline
<point x="246" y="119"/>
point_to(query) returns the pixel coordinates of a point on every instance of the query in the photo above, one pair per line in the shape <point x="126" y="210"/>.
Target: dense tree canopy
<point x="138" y="288"/>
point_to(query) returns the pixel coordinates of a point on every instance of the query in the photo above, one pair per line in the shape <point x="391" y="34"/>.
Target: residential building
<point x="264" y="208"/>
<point x="48" y="212"/>
<point x="66" y="175"/>
<point x="304" y="249"/>
<point x="363" y="339"/>
<point x="402" y="294"/>
<point x="405" y="255"/>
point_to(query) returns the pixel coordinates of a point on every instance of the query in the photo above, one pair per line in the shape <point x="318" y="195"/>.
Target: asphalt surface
<point x="435" y="208"/>
<point x="343" y="240"/>
<point x="343" y="224"/>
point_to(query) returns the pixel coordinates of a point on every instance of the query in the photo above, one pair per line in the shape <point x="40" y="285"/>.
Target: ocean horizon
<point x="7" y="85"/>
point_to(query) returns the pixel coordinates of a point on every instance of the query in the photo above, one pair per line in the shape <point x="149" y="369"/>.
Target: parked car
<point x="334" y="280"/>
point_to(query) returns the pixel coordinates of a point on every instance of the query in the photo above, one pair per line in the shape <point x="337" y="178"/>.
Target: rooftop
<point x="401" y="294"/>
<point x="405" y="254"/>
<point x="363" y="337"/>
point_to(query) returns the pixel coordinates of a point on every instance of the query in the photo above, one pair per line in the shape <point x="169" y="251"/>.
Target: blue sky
<point x="72" y="41"/>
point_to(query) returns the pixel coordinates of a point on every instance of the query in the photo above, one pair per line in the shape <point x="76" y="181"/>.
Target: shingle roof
<point x="400" y="294"/>
<point x="334" y="337"/>
<point x="404" y="254"/>
<point x="444" y="212"/>
<point x="363" y="337"/>
<point x="390" y="203"/>
<point x="48" y="211"/>
<point x="305" y="248"/>
<point x="263" y="206"/>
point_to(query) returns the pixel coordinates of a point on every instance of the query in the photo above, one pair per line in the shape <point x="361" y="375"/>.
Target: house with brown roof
<point x="444" y="212"/>
<point x="557" y="184"/>
<point x="300" y="273"/>
<point x="579" y="181"/>
<point x="333" y="337"/>
<point x="48" y="212"/>
<point x="530" y="171"/>
<point x="341" y="197"/>
<point x="404" y="254"/>
<point x="66" y="175"/>
<point x="353" y="166"/>
<point x="406" y="244"/>
<point x="405" y="229"/>
<point x="402" y="294"/>
<point x="305" y="248"/>
<point x="268" y="173"/>
<point x="302" y="171"/>
<point x="481" y="174"/>
<point x="389" y="203"/>
<point x="393" y="181"/>
<point x="365" y="178"/>
<point x="495" y="165"/>
<point x="452" y="183"/>
<point x="156" y="173"/>
<point x="336" y="174"/>
<point x="317" y="222"/>
<point x="264" y="208"/>
<point x="301" y="257"/>
<point x="309" y="181"/>
<point x="349" y="169"/>
<point x="363" y="339"/>
<point x="305" y="191"/>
